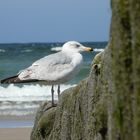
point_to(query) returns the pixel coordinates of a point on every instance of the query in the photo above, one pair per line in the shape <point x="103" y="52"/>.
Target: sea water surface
<point x="24" y="99"/>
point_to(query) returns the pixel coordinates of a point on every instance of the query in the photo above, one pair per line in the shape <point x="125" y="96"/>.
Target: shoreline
<point x="8" y="121"/>
<point x="16" y="127"/>
<point x="16" y="124"/>
<point x="17" y="118"/>
<point x="15" y="133"/>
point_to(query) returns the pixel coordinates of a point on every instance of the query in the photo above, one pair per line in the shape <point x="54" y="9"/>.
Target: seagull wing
<point x="55" y="67"/>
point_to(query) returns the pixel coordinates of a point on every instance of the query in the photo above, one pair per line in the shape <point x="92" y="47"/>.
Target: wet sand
<point x="16" y="127"/>
<point x="15" y="133"/>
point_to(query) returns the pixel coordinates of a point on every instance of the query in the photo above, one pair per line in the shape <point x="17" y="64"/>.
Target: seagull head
<point x="74" y="46"/>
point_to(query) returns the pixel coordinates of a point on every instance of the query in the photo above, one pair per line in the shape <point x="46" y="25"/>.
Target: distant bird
<point x="53" y="69"/>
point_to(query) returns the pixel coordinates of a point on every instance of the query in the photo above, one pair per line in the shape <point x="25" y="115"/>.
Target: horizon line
<point x="39" y="42"/>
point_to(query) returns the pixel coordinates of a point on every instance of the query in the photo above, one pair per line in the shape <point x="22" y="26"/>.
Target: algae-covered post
<point x="125" y="45"/>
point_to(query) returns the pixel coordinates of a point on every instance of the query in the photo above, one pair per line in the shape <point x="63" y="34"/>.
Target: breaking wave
<point x="25" y="100"/>
<point x="98" y="50"/>
<point x="2" y="50"/>
<point x="57" y="49"/>
<point x="26" y="51"/>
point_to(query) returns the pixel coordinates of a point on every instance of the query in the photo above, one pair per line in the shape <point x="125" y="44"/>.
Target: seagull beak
<point x="87" y="49"/>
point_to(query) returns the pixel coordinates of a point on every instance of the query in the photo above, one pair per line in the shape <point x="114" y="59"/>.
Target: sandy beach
<point x="15" y="127"/>
<point x="15" y="133"/>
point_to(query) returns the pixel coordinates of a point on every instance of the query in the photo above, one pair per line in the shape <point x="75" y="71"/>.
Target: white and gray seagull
<point x="53" y="69"/>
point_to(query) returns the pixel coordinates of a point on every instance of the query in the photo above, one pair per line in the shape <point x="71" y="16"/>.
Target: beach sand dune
<point x="15" y="133"/>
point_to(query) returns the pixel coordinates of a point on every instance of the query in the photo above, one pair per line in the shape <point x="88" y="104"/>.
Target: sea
<point x="23" y="100"/>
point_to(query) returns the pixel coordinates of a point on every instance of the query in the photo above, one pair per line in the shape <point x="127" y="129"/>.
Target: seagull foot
<point x="54" y="105"/>
<point x="48" y="105"/>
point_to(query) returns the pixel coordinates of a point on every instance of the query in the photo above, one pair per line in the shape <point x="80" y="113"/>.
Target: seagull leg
<point x="52" y="91"/>
<point x="58" y="91"/>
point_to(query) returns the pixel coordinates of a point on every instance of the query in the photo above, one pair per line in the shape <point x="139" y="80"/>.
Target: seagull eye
<point x="77" y="45"/>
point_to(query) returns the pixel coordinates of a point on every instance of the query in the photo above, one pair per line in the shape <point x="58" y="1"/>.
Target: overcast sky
<point x="54" y="20"/>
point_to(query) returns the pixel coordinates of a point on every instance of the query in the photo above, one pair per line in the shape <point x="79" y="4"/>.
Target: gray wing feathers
<point x="49" y="68"/>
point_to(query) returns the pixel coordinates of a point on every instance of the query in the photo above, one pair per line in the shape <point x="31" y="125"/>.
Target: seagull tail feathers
<point x="15" y="79"/>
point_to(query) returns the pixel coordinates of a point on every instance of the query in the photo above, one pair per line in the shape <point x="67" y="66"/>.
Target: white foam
<point x="98" y="50"/>
<point x="2" y="50"/>
<point x="17" y="112"/>
<point x="27" y="106"/>
<point x="25" y="100"/>
<point x="57" y="49"/>
<point x="26" y="51"/>
<point x="28" y="92"/>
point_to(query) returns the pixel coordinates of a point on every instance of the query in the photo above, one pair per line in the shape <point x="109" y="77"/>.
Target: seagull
<point x="54" y="69"/>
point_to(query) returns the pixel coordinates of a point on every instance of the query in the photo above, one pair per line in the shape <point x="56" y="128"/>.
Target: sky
<point x="24" y="21"/>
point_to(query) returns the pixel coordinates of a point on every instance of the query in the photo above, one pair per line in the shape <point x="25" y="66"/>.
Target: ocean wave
<point x="14" y="112"/>
<point x="26" y="51"/>
<point x="22" y="106"/>
<point x="57" y="49"/>
<point x="2" y="50"/>
<point x="22" y="101"/>
<point x="28" y="93"/>
<point x="98" y="50"/>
